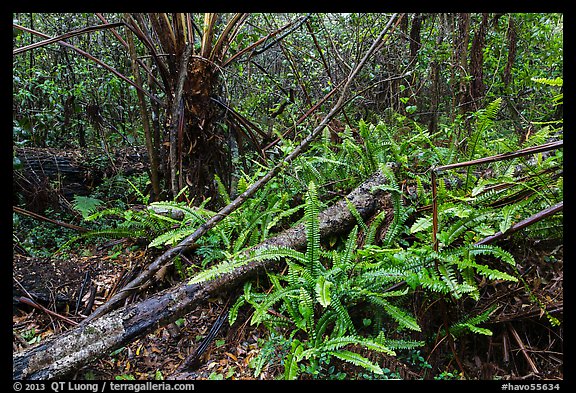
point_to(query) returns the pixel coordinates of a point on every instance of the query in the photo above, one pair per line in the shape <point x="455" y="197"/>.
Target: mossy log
<point x="62" y="354"/>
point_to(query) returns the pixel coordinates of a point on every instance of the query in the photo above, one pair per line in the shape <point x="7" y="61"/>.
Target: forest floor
<point x="524" y="344"/>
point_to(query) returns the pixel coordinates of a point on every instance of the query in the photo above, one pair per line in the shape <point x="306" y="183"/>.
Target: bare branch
<point x="94" y="59"/>
<point x="66" y="36"/>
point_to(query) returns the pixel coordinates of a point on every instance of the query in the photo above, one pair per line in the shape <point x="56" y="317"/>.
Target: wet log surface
<point x="64" y="353"/>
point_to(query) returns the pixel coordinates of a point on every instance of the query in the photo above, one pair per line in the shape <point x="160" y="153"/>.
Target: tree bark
<point x="60" y="355"/>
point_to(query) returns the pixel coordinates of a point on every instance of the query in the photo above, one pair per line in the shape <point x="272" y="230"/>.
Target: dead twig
<point x="37" y="216"/>
<point x="523" y="349"/>
<point x="30" y="302"/>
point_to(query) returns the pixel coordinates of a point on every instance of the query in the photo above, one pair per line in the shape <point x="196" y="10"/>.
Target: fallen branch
<point x="62" y="354"/>
<point x="523" y="349"/>
<point x="32" y="303"/>
<point x="524" y="223"/>
<point x="40" y="217"/>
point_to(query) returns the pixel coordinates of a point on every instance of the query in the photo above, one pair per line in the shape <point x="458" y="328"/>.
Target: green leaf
<point x="358" y="360"/>
<point x="233" y="313"/>
<point x="507" y="216"/>
<point x="86" y="205"/>
<point x="291" y="369"/>
<point x="551" y="82"/>
<point x="479" y="330"/>
<point x="421" y="224"/>
<point x="402" y="317"/>
<point x="323" y="291"/>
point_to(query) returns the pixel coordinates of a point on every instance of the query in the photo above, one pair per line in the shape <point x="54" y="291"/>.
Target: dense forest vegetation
<point x="288" y="196"/>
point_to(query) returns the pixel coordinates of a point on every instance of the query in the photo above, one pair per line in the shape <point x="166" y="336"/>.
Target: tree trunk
<point x="60" y="355"/>
<point x="476" y="67"/>
<point x="201" y="142"/>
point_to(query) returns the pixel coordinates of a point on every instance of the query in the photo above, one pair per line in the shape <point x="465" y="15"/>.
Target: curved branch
<point x="94" y="59"/>
<point x="66" y="36"/>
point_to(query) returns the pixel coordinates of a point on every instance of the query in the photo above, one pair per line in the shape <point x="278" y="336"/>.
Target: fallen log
<point x="60" y="355"/>
<point x="46" y="172"/>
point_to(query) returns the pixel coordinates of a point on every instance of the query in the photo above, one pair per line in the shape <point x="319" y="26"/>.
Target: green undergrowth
<point x="350" y="300"/>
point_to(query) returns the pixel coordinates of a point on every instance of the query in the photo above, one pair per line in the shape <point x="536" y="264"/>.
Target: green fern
<point x="235" y="261"/>
<point x="316" y="295"/>
<point x="470" y="323"/>
<point x="374" y="226"/>
<point x="356" y="214"/>
<point x="222" y="192"/>
<point x="86" y="205"/>
<point x="404" y="319"/>
<point x="558" y="82"/>
<point x="311" y="211"/>
<point x="484" y="120"/>
<point x="397" y="224"/>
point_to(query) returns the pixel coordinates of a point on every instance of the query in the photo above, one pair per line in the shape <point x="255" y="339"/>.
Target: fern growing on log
<point x="317" y="298"/>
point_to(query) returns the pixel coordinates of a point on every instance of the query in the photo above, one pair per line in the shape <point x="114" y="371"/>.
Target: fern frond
<point x="276" y="253"/>
<point x="356" y="214"/>
<point x="306" y="308"/>
<point x="421" y="224"/>
<point x="113" y="211"/>
<point x="344" y="259"/>
<point x="371" y="235"/>
<point x="284" y="213"/>
<point x="216" y="271"/>
<point x="344" y="321"/>
<point x="86" y="205"/>
<point x="396" y="226"/>
<point x="300" y="275"/>
<point x="325" y="320"/>
<point x="261" y="309"/>
<point x="376" y="279"/>
<point x="233" y="311"/>
<point x="113" y="233"/>
<point x="403" y="318"/>
<point x="171" y="237"/>
<point x="495" y="251"/>
<point x="430" y="280"/>
<point x="357" y="360"/>
<point x="311" y="211"/>
<point x="198" y="213"/>
<point x="340" y="342"/>
<point x="291" y="369"/>
<point x="402" y="344"/>
<point x="448" y="275"/>
<point x="487" y="272"/>
<point x="558" y="82"/>
<point x="470" y="323"/>
<point x="222" y="193"/>
<point x="449" y="235"/>
<point x="491" y="110"/>
<point x="247" y="232"/>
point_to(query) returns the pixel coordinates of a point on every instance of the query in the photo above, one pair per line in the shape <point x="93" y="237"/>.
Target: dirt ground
<point x="524" y="343"/>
